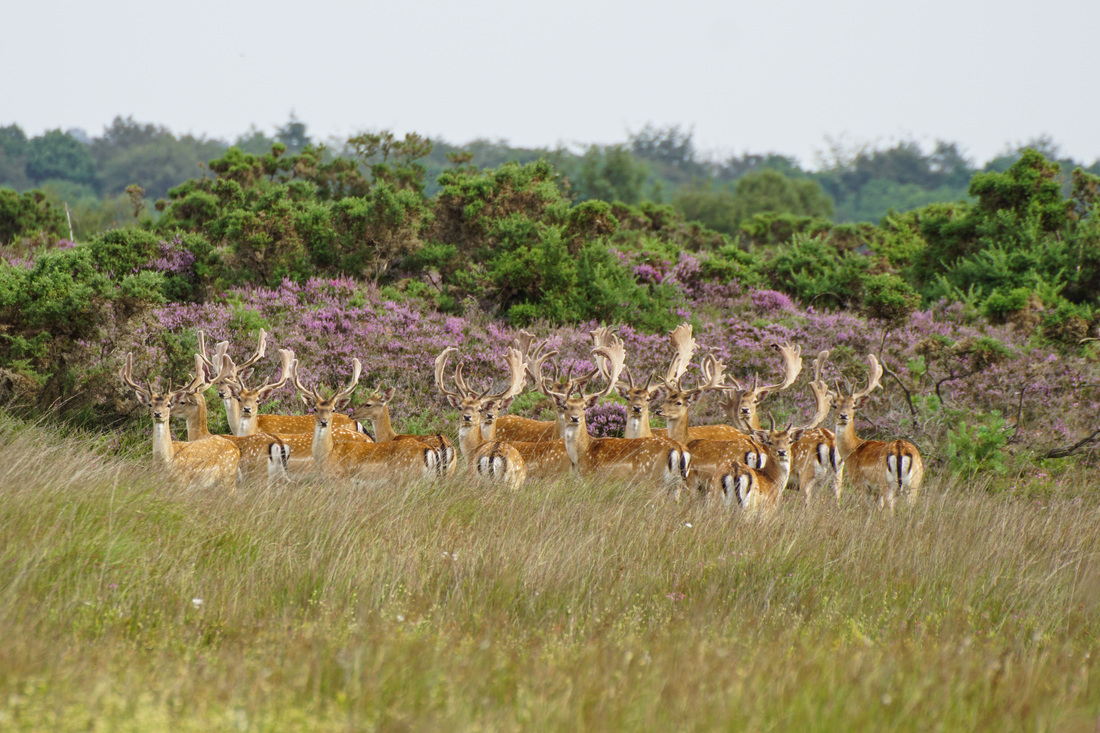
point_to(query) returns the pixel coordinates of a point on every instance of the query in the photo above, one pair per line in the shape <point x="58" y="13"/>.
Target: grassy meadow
<point x="130" y="605"/>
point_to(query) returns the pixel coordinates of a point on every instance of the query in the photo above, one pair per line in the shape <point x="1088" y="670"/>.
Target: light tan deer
<point x="375" y="462"/>
<point x="756" y="490"/>
<point x="262" y="454"/>
<point x="659" y="460"/>
<point x="709" y="445"/>
<point x="539" y="458"/>
<point x="210" y="462"/>
<point x="885" y="468"/>
<point x="376" y="409"/>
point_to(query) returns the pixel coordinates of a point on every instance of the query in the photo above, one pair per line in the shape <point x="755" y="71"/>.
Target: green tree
<point x="14" y="152"/>
<point x="28" y="214"/>
<point x="58" y="154"/>
<point x="293" y="135"/>
<point x="610" y="173"/>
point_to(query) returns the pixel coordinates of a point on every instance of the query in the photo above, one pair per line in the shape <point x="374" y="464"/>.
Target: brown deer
<point x="212" y="461"/>
<point x="539" y="458"/>
<point x="375" y="462"/>
<point x="756" y="490"/>
<point x="660" y="460"/>
<point x="376" y="409"/>
<point x="885" y="468"/>
<point x="262" y="454"/>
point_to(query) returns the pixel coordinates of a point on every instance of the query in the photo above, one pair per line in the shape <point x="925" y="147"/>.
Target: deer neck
<point x="678" y="428"/>
<point x="322" y="442"/>
<point x="776" y="469"/>
<point x="197" y="426"/>
<point x="383" y="430"/>
<point x="470" y="437"/>
<point x="163" y="450"/>
<point x="577" y="443"/>
<point x="233" y="414"/>
<point x="846" y="439"/>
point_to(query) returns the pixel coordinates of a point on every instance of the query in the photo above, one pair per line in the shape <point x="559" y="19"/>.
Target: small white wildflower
<point x="196" y="602"/>
<point x="401" y="618"/>
<point x="687" y="524"/>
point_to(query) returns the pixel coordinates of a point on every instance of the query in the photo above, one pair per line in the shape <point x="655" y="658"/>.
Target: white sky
<point x="754" y="76"/>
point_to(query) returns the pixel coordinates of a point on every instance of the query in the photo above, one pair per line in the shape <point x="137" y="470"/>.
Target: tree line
<point x="97" y="178"/>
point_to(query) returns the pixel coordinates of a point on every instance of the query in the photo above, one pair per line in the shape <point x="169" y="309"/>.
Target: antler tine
<point x="127" y="375"/>
<point x="298" y="382"/>
<point x="824" y="405"/>
<point x="615" y="352"/>
<point x="819" y="364"/>
<point x="288" y="366"/>
<point x="440" y="367"/>
<point x="684" y="345"/>
<point x="872" y="378"/>
<point x="544" y="386"/>
<point x="199" y="383"/>
<point x="356" y="372"/>
<point x="518" y="379"/>
<point x="792" y="366"/>
<point x="261" y="348"/>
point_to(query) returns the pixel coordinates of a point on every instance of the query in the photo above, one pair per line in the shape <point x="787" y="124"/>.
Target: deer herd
<point x="739" y="464"/>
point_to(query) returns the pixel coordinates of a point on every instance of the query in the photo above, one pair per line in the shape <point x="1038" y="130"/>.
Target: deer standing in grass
<point x="659" y="460"/>
<point x="815" y="459"/>
<point x="756" y="490"/>
<point x="885" y="468"/>
<point x="726" y="442"/>
<point x="262" y="454"/>
<point x="486" y="457"/>
<point x="539" y="458"/>
<point x="395" y="461"/>
<point x="376" y="408"/>
<point x="212" y="461"/>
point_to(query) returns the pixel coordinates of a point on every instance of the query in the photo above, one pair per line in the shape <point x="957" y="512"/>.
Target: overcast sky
<point x="781" y="76"/>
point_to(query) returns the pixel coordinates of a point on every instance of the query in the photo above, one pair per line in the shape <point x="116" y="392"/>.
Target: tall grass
<point x="129" y="604"/>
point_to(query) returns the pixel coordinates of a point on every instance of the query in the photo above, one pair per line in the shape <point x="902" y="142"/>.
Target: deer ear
<point x="388" y="394"/>
<point x="453" y="401"/>
<point x="796" y="434"/>
<point x="143" y="398"/>
<point x="591" y="402"/>
<point x="861" y="401"/>
<point x="505" y="403"/>
<point x="622" y="392"/>
<point x="307" y="401"/>
<point x="341" y="403"/>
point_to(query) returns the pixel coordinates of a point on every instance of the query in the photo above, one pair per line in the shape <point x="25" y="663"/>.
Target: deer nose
<point x="468" y="418"/>
<point x="246" y="410"/>
<point x="323" y="423"/>
<point x="637" y="409"/>
<point x="573" y="418"/>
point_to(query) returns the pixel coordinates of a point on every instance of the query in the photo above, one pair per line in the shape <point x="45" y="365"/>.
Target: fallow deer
<point x="376" y="409"/>
<point x="540" y="458"/>
<point x="885" y="468"/>
<point x="659" y="460"/>
<point x="209" y="462"/>
<point x="395" y="460"/>
<point x="262" y="454"/>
